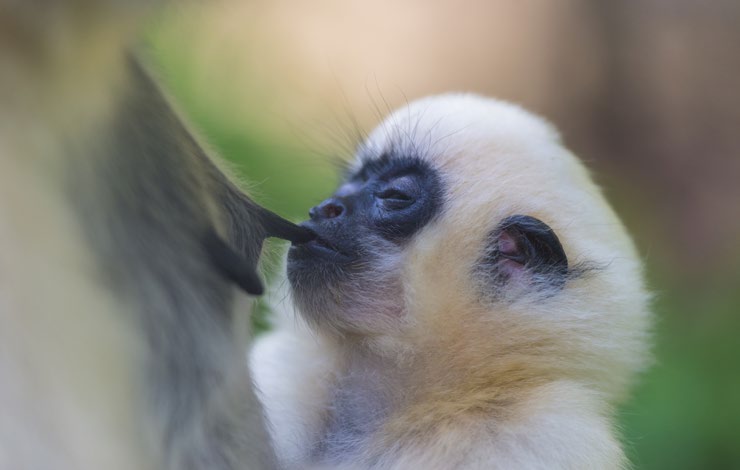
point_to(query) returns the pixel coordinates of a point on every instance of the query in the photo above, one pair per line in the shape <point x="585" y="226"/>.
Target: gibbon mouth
<point x="318" y="247"/>
<point x="323" y="244"/>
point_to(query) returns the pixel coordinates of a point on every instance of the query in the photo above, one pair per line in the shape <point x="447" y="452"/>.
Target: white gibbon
<point x="470" y="301"/>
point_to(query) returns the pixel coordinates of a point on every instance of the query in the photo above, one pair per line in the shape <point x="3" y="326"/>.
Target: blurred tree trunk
<point x="662" y="111"/>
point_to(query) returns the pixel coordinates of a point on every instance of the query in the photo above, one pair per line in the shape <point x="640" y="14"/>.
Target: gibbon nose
<point x="329" y="209"/>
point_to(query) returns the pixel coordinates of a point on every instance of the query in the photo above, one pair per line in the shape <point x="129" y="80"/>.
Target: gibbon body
<point x="471" y="301"/>
<point x="125" y="260"/>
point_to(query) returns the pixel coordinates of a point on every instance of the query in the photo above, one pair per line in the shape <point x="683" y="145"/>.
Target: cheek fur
<point x="361" y="297"/>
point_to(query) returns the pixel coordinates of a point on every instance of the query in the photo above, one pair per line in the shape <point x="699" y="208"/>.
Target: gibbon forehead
<point x="495" y="170"/>
<point x="509" y="187"/>
<point x="465" y="154"/>
<point x="458" y="203"/>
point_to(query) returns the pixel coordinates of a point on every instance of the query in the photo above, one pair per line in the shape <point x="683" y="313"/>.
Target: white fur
<point x="296" y="412"/>
<point x="463" y="383"/>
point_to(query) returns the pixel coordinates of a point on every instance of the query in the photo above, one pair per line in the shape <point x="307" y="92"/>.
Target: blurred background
<point x="647" y="92"/>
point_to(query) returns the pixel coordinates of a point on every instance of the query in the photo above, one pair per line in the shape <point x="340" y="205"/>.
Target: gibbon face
<point x="344" y="276"/>
<point x="466" y="231"/>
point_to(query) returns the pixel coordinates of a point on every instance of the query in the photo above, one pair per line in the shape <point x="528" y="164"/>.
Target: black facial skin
<point x="374" y="212"/>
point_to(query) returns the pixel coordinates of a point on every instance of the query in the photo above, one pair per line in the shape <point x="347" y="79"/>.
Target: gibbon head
<point x="466" y="236"/>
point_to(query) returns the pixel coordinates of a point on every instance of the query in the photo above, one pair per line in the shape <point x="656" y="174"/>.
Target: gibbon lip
<point x="320" y="248"/>
<point x="323" y="244"/>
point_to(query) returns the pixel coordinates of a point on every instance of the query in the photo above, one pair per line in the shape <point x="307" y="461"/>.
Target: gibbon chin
<point x="470" y="301"/>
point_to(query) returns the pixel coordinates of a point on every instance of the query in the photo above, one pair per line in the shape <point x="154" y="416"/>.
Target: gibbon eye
<point x="394" y="199"/>
<point x="392" y="193"/>
<point x="399" y="195"/>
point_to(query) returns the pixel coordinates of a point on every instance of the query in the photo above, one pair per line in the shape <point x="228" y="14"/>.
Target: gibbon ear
<point x="524" y="247"/>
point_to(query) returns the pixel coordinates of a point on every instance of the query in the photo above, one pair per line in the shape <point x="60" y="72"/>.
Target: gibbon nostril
<point x="329" y="209"/>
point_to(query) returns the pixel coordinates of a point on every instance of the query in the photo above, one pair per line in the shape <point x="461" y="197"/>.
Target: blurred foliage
<point x="686" y="410"/>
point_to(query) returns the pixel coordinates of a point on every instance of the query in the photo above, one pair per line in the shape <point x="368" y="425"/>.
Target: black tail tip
<point x="232" y="265"/>
<point x="276" y="226"/>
